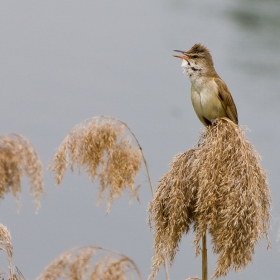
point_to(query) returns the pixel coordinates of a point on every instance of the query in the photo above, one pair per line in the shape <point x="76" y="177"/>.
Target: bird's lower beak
<point x="185" y="57"/>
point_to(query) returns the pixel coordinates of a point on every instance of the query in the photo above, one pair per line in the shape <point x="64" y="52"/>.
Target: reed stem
<point x="204" y="257"/>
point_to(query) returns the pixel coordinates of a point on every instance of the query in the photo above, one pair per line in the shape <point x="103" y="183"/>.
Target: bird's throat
<point x="185" y="63"/>
<point x="191" y="70"/>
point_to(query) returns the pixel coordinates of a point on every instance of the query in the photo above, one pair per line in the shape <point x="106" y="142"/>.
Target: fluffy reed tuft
<point x="56" y="268"/>
<point x="6" y="246"/>
<point x="5" y="242"/>
<point x="219" y="186"/>
<point x="109" y="268"/>
<point x="112" y="266"/>
<point x="99" y="147"/>
<point x="18" y="158"/>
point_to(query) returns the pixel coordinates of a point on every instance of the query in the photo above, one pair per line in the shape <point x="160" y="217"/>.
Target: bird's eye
<point x="195" y="56"/>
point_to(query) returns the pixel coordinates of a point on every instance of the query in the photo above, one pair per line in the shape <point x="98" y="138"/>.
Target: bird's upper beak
<point x="184" y="56"/>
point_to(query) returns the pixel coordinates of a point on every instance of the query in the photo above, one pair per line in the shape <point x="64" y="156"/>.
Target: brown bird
<point x="210" y="95"/>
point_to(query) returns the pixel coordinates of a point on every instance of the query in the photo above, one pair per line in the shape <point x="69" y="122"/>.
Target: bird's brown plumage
<point x="227" y="100"/>
<point x="210" y="95"/>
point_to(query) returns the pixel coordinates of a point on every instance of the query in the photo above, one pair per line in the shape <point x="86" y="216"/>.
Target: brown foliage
<point x="219" y="186"/>
<point x="113" y="266"/>
<point x="99" y="147"/>
<point x="19" y="158"/>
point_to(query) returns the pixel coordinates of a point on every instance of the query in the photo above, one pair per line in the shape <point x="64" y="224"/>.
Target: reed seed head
<point x="109" y="268"/>
<point x="57" y="268"/>
<point x="18" y="158"/>
<point x="99" y="147"/>
<point x="220" y="186"/>
<point x="72" y="266"/>
<point x="5" y="242"/>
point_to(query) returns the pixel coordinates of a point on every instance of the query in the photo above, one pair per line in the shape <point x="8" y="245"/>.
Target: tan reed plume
<point x="18" y="158"/>
<point x="112" y="266"/>
<point x="109" y="268"/>
<point x="219" y="186"/>
<point x="7" y="247"/>
<point x="99" y="147"/>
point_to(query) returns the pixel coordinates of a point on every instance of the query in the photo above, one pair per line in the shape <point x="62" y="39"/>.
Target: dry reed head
<point x="18" y="158"/>
<point x="80" y="264"/>
<point x="57" y="268"/>
<point x="5" y="242"/>
<point x="7" y="247"/>
<point x="172" y="209"/>
<point x="99" y="147"/>
<point x="219" y="186"/>
<point x="112" y="266"/>
<point x="109" y="268"/>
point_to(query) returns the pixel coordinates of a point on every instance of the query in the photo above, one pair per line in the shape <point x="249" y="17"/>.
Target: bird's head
<point x="197" y="61"/>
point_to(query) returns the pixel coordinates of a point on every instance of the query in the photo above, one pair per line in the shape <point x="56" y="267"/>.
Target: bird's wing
<point x="227" y="100"/>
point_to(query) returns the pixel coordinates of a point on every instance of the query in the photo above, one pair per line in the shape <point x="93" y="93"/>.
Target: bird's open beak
<point x="184" y="56"/>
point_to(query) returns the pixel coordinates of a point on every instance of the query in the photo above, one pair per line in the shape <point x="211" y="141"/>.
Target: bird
<point x="210" y="95"/>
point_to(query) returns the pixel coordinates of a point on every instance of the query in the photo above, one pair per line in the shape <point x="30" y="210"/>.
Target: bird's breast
<point x="206" y="102"/>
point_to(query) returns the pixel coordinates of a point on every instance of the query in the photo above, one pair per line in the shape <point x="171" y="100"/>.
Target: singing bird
<point x="210" y="95"/>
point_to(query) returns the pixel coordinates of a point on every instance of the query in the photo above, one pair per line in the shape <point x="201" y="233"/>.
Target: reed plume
<point x="99" y="146"/>
<point x="111" y="266"/>
<point x="18" y="158"/>
<point x="7" y="247"/>
<point x="220" y="186"/>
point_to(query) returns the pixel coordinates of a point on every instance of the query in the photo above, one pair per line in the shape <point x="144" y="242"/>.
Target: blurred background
<point x="65" y="61"/>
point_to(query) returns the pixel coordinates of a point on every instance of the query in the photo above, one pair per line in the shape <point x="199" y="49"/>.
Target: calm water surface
<point x="64" y="61"/>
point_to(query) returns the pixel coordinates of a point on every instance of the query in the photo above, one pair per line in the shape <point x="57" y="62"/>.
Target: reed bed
<point x="218" y="186"/>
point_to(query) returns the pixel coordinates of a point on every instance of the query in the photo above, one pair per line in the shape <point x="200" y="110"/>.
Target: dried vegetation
<point x="18" y="158"/>
<point x="219" y="186"/>
<point x="7" y="247"/>
<point x="6" y="244"/>
<point x="99" y="147"/>
<point x="76" y="264"/>
<point x="111" y="266"/>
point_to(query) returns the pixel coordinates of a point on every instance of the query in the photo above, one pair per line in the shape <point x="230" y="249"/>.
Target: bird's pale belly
<point x="207" y="105"/>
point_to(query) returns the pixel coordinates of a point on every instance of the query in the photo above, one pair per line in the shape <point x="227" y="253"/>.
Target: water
<point x="62" y="62"/>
